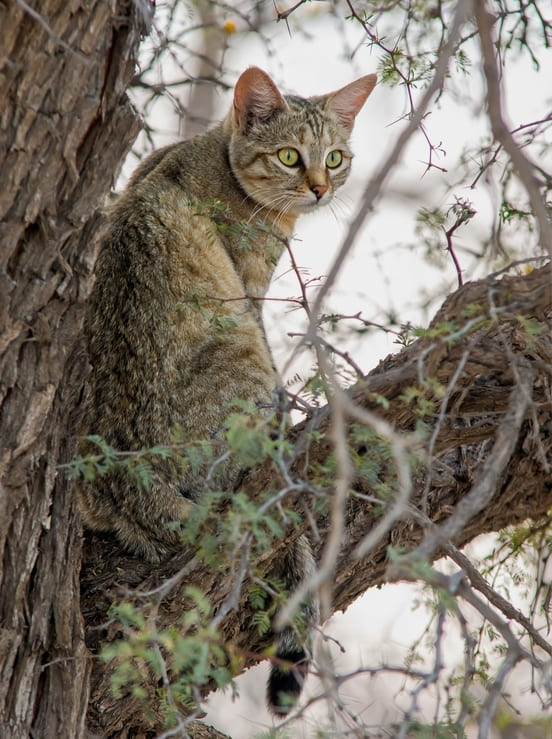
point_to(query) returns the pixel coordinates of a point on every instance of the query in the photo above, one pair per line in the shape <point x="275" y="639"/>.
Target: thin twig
<point x="323" y="575"/>
<point x="375" y="186"/>
<point x="479" y="583"/>
<point x="523" y="167"/>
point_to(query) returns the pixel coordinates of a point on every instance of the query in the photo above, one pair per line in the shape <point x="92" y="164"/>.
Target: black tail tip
<point x="286" y="681"/>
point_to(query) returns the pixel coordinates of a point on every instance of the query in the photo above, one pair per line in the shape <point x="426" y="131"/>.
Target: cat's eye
<point x="334" y="159"/>
<point x="289" y="157"/>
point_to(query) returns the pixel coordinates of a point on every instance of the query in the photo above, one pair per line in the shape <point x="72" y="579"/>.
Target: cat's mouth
<point x="311" y="201"/>
<point x="299" y="203"/>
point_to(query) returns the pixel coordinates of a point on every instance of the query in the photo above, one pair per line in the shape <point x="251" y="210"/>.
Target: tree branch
<point x="376" y="184"/>
<point x="487" y="434"/>
<point x="523" y="167"/>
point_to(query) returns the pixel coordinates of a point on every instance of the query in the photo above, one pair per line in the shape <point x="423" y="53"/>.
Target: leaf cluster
<point x="181" y="659"/>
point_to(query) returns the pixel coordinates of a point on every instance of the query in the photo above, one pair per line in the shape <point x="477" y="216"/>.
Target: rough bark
<point x="65" y="126"/>
<point x="496" y="356"/>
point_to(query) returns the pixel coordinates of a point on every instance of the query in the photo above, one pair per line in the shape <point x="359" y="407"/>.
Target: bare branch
<point x="375" y="186"/>
<point x="479" y="583"/>
<point x="523" y="167"/>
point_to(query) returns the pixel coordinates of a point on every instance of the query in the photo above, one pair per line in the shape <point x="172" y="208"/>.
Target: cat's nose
<point x="319" y="190"/>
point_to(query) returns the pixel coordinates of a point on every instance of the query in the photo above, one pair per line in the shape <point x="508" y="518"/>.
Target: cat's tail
<point x="293" y="656"/>
<point x="287" y="674"/>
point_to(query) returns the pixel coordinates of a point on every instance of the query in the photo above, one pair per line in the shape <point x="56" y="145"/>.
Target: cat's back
<point x="169" y="300"/>
<point x="195" y="169"/>
<point x="161" y="230"/>
<point x="168" y="220"/>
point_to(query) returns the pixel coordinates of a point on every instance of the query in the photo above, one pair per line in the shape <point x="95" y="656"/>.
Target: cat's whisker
<point x="333" y="211"/>
<point x="283" y="212"/>
<point x="267" y="194"/>
<point x="338" y="209"/>
<point x="269" y="208"/>
<point x="344" y="202"/>
<point x="258" y="195"/>
<point x="276" y="203"/>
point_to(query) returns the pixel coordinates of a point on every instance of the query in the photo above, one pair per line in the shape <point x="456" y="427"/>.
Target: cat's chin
<point x="311" y="206"/>
<point x="308" y="205"/>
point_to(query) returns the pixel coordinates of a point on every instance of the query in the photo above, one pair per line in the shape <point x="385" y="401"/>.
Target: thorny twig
<point x="391" y="52"/>
<point x="375" y="186"/>
<point x="464" y="212"/>
<point x="521" y="164"/>
<point x="498" y="148"/>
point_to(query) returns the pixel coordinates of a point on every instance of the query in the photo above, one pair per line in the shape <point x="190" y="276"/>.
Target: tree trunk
<point x="65" y="126"/>
<point x="496" y="430"/>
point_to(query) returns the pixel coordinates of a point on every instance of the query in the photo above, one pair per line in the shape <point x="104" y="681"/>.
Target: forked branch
<point x="488" y="468"/>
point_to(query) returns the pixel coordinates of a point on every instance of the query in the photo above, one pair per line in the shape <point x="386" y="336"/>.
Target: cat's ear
<point x="347" y="102"/>
<point x="256" y="97"/>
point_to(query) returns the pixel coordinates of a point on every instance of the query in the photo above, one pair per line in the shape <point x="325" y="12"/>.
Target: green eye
<point x="289" y="157"/>
<point x="334" y="159"/>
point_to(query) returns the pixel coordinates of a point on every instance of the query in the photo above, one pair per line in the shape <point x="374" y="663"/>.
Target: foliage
<point x="182" y="659"/>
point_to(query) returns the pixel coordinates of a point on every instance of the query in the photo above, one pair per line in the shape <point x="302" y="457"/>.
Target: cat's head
<point x="290" y="154"/>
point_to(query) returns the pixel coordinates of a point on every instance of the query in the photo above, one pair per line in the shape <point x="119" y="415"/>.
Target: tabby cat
<point x="174" y="331"/>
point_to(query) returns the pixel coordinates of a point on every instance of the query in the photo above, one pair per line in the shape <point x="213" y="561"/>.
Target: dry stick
<point x="522" y="165"/>
<point x="456" y="585"/>
<point x="342" y="406"/>
<point x="514" y="654"/>
<point x="341" y="680"/>
<point x="338" y="503"/>
<point x="492" y="159"/>
<point x="482" y="492"/>
<point x="469" y="669"/>
<point x="430" y="679"/>
<point x="375" y="185"/>
<point x="488" y="709"/>
<point x="232" y="600"/>
<point x="321" y="578"/>
<point x="479" y="583"/>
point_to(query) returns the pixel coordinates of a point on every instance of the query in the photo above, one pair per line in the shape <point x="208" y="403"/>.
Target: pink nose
<point x="319" y="190"/>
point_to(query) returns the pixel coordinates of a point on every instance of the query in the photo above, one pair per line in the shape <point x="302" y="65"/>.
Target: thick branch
<point x="491" y="346"/>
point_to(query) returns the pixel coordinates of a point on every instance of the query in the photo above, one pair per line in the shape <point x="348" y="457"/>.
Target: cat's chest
<point x="255" y="274"/>
<point x="255" y="262"/>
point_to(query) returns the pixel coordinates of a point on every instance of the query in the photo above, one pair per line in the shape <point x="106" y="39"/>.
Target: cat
<point x="174" y="330"/>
